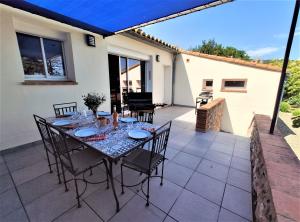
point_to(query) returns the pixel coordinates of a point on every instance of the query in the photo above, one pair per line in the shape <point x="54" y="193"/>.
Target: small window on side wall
<point x="234" y="85"/>
<point x="42" y="58"/>
<point x="207" y="85"/>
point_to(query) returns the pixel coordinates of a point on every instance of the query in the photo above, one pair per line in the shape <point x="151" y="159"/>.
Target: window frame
<point x="47" y="76"/>
<point x="207" y="88"/>
<point x="234" y="89"/>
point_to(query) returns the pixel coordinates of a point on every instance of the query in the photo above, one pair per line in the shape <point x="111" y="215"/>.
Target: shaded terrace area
<point x="207" y="178"/>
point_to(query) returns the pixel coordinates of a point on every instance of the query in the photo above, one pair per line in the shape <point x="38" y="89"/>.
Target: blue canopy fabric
<point x="107" y="17"/>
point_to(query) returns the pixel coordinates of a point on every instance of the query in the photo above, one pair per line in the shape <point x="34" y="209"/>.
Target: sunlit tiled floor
<point x="207" y="178"/>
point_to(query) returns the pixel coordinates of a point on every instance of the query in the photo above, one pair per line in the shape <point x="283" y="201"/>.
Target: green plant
<point x="93" y="100"/>
<point x="296" y="112"/>
<point x="294" y="100"/>
<point x="285" y="107"/>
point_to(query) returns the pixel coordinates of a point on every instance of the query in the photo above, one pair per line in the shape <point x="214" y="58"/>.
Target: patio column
<point x="284" y="66"/>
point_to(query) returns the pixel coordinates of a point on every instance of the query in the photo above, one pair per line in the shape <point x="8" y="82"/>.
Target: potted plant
<point x="93" y="101"/>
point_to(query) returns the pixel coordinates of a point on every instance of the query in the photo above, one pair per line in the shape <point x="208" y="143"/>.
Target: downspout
<point x="173" y="76"/>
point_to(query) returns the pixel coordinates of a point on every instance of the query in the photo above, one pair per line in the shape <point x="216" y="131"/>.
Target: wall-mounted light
<point x="157" y="58"/>
<point x="90" y="40"/>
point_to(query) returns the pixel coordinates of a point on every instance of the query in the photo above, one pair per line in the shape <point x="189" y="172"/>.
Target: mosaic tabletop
<point x="116" y="142"/>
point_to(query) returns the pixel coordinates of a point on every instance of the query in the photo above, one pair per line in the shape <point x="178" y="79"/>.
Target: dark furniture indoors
<point x="145" y="161"/>
<point x="62" y="109"/>
<point x="140" y="101"/>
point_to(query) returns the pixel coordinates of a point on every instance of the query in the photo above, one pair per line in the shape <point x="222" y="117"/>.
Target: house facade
<point x="44" y="62"/>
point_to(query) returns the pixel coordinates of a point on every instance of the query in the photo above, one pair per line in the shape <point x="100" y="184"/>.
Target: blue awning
<point x="107" y="17"/>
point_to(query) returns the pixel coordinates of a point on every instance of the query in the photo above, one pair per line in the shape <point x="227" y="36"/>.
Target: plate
<point x="102" y="113"/>
<point x="139" y="134"/>
<point x="86" y="132"/>
<point x="128" y="119"/>
<point x="62" y="122"/>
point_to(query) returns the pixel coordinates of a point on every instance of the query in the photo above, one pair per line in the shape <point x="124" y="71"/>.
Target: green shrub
<point x="294" y="100"/>
<point x="285" y="107"/>
<point x="296" y="112"/>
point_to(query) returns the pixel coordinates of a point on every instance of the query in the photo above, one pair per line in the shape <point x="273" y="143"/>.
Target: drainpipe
<point x="173" y="76"/>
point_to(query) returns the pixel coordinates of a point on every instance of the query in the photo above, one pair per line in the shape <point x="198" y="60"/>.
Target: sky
<point x="260" y="27"/>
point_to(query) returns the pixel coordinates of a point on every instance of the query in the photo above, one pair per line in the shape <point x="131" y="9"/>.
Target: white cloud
<point x="285" y="35"/>
<point x="256" y="53"/>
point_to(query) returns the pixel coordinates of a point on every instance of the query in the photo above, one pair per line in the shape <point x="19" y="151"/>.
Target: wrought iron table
<point x="116" y="145"/>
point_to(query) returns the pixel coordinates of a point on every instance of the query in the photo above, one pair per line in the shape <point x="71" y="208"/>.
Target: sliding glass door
<point x="131" y="78"/>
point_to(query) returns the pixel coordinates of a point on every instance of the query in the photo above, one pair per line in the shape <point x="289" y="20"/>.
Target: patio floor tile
<point x="241" y="164"/>
<point x="195" y="151"/>
<point x="5" y="183"/>
<point x="3" y="169"/>
<point x="239" y="179"/>
<point x="238" y="201"/>
<point x="9" y="202"/>
<point x="79" y="214"/>
<point x="213" y="169"/>
<point x="244" y="154"/>
<point x="28" y="173"/>
<point x="136" y="211"/>
<point x="106" y="209"/>
<point x="40" y="185"/>
<point x="206" y="187"/>
<point x="193" y="208"/>
<point x="177" y="174"/>
<point x="163" y="196"/>
<point x="225" y="138"/>
<point x="169" y="219"/>
<point x="218" y="157"/>
<point x="48" y="207"/>
<point x="223" y="148"/>
<point x="199" y="143"/>
<point x="187" y="160"/>
<point x="227" y="216"/>
<point x="18" y="215"/>
<point x="171" y="153"/>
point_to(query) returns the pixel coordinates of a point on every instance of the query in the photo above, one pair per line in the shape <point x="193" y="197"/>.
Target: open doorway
<point x="126" y="75"/>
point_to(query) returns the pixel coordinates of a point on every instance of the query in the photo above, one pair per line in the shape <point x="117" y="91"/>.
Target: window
<point x="42" y="58"/>
<point x="234" y="85"/>
<point x="207" y="85"/>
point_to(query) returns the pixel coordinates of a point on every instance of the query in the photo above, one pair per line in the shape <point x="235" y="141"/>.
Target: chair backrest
<point x="62" y="148"/>
<point x="143" y="116"/>
<point x="160" y="141"/>
<point x="44" y="132"/>
<point x="63" y="108"/>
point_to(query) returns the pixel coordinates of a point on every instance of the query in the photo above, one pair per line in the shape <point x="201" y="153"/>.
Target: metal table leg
<point x="111" y="177"/>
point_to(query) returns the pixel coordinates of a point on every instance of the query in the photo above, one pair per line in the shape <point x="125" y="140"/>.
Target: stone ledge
<point x="276" y="173"/>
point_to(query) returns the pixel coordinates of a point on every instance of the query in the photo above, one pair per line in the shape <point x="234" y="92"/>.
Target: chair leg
<point x="57" y="169"/>
<point x="48" y="159"/>
<point x="156" y="171"/>
<point x="106" y="170"/>
<point x="162" y="173"/>
<point x="148" y="186"/>
<point x="64" y="178"/>
<point x="122" y="184"/>
<point x="77" y="193"/>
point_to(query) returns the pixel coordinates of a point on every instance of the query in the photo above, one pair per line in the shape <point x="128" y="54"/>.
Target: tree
<point x="292" y="85"/>
<point x="211" y="47"/>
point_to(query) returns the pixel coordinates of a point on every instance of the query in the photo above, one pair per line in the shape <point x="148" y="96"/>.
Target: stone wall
<point x="209" y="116"/>
<point x="275" y="175"/>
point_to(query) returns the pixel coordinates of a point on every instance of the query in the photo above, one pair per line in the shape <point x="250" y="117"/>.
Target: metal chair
<point x="143" y="115"/>
<point x="145" y="161"/>
<point x="77" y="163"/>
<point x="48" y="143"/>
<point x="62" y="109"/>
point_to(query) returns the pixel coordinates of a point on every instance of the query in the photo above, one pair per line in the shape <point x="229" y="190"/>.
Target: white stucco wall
<point x="260" y="97"/>
<point x="87" y="65"/>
